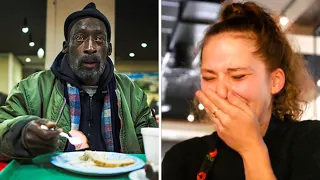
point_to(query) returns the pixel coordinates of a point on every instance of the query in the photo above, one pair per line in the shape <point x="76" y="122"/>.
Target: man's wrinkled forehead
<point x="88" y="24"/>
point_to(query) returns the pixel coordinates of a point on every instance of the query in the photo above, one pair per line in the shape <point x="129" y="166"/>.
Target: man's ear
<point x="65" y="47"/>
<point x="109" y="49"/>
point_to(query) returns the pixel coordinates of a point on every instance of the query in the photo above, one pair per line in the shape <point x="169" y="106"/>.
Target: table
<point x="41" y="169"/>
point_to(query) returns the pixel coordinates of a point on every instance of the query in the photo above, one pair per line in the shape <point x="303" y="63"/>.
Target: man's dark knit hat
<point x="89" y="10"/>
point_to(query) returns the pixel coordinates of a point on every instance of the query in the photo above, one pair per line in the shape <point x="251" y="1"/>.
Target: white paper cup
<point x="151" y="144"/>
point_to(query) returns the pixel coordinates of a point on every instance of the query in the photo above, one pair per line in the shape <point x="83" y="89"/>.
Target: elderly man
<point x="81" y="92"/>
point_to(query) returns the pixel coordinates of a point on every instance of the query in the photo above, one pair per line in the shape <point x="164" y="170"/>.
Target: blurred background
<point x="32" y="36"/>
<point x="183" y="24"/>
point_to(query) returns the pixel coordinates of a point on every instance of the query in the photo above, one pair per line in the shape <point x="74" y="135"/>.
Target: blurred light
<point x="25" y="29"/>
<point x="144" y="45"/>
<point x="40" y="53"/>
<point x="284" y="20"/>
<point x="166" y="58"/>
<point x="318" y="82"/>
<point x="190" y="118"/>
<point x="201" y="107"/>
<point x="170" y="4"/>
<point x="28" y="60"/>
<point x="168" y="18"/>
<point x="165" y="108"/>
<point x="31" y="44"/>
<point x="166" y="30"/>
<point x="131" y="54"/>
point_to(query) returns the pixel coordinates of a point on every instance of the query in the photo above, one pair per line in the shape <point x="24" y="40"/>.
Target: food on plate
<point x="113" y="163"/>
<point x="101" y="160"/>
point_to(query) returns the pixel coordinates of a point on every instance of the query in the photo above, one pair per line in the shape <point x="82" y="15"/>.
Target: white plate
<point x="138" y="175"/>
<point x="70" y="162"/>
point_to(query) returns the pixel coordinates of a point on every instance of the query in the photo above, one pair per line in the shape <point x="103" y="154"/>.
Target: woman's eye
<point x="238" y="77"/>
<point x="208" y="78"/>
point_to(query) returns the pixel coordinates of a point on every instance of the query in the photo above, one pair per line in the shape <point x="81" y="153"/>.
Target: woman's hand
<point x="235" y="122"/>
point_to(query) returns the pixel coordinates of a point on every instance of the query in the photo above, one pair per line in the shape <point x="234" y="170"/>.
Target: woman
<point x="252" y="87"/>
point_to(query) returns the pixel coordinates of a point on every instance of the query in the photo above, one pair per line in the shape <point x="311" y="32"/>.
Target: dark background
<point x="136" y="21"/>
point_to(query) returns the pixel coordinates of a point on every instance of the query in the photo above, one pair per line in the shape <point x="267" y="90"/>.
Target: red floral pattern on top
<point x="213" y="153"/>
<point x="207" y="164"/>
<point x="201" y="176"/>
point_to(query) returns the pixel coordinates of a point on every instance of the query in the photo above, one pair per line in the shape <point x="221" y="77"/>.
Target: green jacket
<point x="41" y="95"/>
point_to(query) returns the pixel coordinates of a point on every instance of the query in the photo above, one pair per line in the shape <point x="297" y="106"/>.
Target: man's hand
<point x="40" y="141"/>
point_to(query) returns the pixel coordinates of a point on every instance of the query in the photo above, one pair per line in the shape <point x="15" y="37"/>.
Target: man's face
<point x="87" y="49"/>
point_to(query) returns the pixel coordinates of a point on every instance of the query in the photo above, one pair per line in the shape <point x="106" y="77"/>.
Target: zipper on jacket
<point x="121" y="134"/>
<point x="90" y="108"/>
<point x="61" y="110"/>
<point x="59" y="117"/>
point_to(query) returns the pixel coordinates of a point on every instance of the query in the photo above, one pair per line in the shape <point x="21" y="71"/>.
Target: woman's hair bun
<point x="247" y="10"/>
<point x="233" y="11"/>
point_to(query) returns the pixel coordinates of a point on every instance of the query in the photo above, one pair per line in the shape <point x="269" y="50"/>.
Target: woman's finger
<point x="211" y="109"/>
<point x="217" y="123"/>
<point x="223" y="117"/>
<point x="239" y="102"/>
<point x="205" y="101"/>
<point x="220" y="103"/>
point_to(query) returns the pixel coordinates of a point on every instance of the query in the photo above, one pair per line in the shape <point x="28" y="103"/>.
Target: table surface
<point x="41" y="169"/>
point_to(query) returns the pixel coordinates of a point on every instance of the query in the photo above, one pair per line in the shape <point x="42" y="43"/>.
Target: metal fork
<point x="72" y="140"/>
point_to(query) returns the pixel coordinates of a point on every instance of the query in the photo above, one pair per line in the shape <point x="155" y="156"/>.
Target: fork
<point x="72" y="140"/>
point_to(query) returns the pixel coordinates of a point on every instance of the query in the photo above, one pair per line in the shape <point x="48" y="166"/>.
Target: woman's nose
<point x="222" y="89"/>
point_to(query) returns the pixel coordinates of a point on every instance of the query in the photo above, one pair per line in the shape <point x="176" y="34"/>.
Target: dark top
<point x="294" y="151"/>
